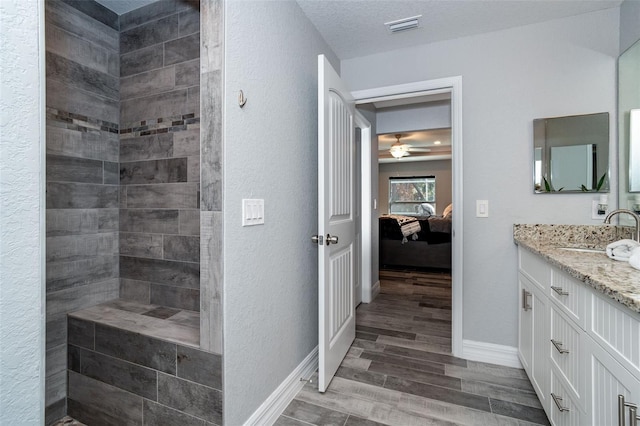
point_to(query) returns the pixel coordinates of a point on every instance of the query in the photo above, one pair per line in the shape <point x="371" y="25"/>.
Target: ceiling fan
<point x="399" y="150"/>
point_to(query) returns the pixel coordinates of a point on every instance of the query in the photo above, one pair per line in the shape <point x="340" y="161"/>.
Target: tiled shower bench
<point x="130" y="363"/>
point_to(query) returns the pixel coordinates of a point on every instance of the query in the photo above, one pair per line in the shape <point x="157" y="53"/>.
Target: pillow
<point x="448" y="210"/>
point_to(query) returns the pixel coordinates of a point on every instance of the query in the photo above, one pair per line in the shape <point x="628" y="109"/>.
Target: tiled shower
<point x="125" y="284"/>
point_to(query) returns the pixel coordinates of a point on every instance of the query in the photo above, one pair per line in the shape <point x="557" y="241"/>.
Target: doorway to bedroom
<point x="414" y="192"/>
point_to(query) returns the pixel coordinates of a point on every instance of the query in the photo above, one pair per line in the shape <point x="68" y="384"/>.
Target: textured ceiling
<point x="124" y="6"/>
<point x="356" y="27"/>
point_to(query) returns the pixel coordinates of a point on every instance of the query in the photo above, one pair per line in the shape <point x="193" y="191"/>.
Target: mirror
<point x="571" y="154"/>
<point x="629" y="127"/>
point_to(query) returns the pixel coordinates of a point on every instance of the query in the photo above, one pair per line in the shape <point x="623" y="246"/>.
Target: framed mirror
<point x="571" y="154"/>
<point x="629" y="128"/>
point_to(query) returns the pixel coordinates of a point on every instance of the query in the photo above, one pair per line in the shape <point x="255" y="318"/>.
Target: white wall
<point x="629" y="23"/>
<point x="434" y="115"/>
<point x="270" y="152"/>
<point x="22" y="212"/>
<point x="441" y="169"/>
<point x="561" y="67"/>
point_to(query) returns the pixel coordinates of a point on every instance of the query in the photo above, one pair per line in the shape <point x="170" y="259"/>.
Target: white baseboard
<point x="274" y="405"/>
<point x="491" y="353"/>
<point x="375" y="290"/>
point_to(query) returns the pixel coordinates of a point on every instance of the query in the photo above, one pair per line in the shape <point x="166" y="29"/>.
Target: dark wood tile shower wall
<point x="122" y="175"/>
<point x="160" y="154"/>
<point x="82" y="116"/>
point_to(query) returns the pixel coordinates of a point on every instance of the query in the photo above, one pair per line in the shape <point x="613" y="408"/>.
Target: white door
<point x="336" y="221"/>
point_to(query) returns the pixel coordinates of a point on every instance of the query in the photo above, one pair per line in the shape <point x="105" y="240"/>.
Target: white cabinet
<point x="566" y="354"/>
<point x="608" y="380"/>
<point x="580" y="348"/>
<point x="563" y="410"/>
<point x="533" y="335"/>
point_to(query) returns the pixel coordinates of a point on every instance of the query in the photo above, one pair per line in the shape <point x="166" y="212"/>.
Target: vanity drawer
<point x="534" y="268"/>
<point x="570" y="294"/>
<point x="563" y="410"/>
<point x="566" y="349"/>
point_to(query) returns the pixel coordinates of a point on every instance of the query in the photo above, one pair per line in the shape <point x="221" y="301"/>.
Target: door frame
<point x="366" y="243"/>
<point x="451" y="85"/>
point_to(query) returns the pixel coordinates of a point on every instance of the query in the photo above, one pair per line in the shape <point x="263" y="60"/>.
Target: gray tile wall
<point x="120" y="377"/>
<point x="160" y="154"/>
<point x="82" y="68"/>
<point x="124" y="205"/>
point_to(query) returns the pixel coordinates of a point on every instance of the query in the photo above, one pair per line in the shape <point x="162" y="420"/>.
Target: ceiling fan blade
<point x="420" y="149"/>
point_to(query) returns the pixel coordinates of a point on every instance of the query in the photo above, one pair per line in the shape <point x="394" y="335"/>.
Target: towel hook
<point x="241" y="99"/>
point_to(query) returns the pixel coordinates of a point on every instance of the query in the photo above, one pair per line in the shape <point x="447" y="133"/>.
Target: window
<point x="412" y="196"/>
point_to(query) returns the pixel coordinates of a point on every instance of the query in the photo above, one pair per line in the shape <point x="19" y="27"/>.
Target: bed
<point x="428" y="248"/>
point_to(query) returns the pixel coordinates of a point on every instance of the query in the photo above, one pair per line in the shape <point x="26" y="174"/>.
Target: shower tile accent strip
<point x="118" y="376"/>
<point x="161" y="125"/>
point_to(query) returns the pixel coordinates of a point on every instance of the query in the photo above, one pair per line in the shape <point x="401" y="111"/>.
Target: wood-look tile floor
<point x="399" y="370"/>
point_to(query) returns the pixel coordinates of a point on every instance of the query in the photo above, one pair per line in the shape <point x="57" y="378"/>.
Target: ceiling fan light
<point x="398" y="151"/>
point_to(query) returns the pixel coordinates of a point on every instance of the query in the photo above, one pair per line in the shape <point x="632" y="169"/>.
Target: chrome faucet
<point x="630" y="212"/>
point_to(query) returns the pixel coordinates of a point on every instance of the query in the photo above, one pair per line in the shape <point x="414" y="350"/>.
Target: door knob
<point x="316" y="239"/>
<point x="332" y="240"/>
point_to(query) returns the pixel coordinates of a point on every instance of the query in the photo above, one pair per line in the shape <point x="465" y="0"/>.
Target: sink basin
<point x="583" y="250"/>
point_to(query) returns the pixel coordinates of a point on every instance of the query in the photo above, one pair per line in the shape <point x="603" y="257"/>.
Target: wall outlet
<point x="596" y="213"/>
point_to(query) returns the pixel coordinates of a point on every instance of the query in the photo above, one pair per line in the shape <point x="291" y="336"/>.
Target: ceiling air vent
<point x="404" y="24"/>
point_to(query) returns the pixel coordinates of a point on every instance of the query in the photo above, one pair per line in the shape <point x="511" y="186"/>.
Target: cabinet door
<point x="525" y="322"/>
<point x="541" y="347"/>
<point x="567" y="352"/>
<point x="563" y="410"/>
<point x="533" y="336"/>
<point x="608" y="380"/>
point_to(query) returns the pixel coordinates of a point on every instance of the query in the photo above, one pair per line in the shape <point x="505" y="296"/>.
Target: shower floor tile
<point x="160" y="322"/>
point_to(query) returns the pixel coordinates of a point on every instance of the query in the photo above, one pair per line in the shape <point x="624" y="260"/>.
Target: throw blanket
<point x="621" y="250"/>
<point x="408" y="226"/>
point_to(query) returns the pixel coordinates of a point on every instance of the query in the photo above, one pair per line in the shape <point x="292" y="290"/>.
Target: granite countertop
<point x="616" y="279"/>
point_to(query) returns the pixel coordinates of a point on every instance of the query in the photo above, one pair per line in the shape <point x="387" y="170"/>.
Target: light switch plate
<point x="482" y="208"/>
<point x="594" y="211"/>
<point x="252" y="212"/>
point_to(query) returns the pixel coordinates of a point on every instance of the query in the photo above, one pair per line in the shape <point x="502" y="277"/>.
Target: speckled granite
<point x="616" y="279"/>
<point x="587" y="236"/>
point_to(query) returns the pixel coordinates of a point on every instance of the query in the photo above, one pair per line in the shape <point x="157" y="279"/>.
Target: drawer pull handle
<point x="558" y="345"/>
<point x="633" y="413"/>
<point x="560" y="291"/>
<point x="525" y="304"/>
<point x="621" y="414"/>
<point x="558" y="401"/>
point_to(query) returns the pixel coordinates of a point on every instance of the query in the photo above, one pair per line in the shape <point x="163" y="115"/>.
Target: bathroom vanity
<point x="579" y="324"/>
